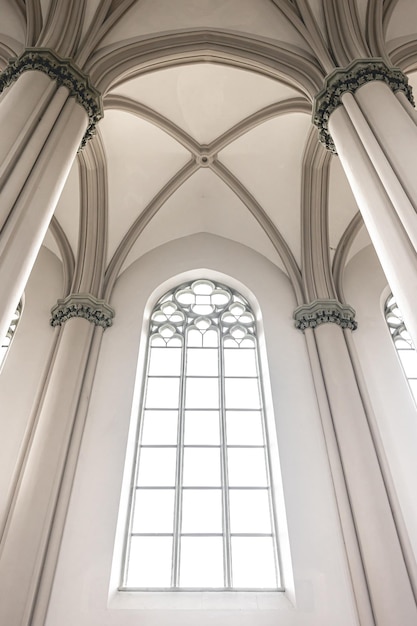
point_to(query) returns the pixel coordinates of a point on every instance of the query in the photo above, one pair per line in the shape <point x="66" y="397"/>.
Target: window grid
<point x="175" y="320"/>
<point x="403" y="343"/>
<point x="7" y="340"/>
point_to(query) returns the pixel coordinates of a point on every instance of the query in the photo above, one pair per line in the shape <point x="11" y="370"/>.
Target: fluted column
<point x="365" y="115"/>
<point x="47" y="111"/>
<point x="385" y="574"/>
<point x="80" y="320"/>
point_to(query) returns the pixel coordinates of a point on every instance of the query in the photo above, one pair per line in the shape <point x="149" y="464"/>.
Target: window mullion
<point x="175" y="573"/>
<point x="227" y="560"/>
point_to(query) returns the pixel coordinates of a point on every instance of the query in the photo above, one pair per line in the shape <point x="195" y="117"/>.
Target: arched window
<point x="202" y="512"/>
<point x="403" y="344"/>
<point x="5" y="344"/>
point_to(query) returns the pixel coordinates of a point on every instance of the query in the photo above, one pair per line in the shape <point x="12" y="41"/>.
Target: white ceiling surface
<point x="204" y="204"/>
<point x="403" y="21"/>
<point x="268" y="161"/>
<point x="205" y="100"/>
<point x="260" y="19"/>
<point x="141" y="159"/>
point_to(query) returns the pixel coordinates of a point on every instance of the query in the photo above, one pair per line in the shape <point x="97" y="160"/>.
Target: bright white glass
<point x="253" y="562"/>
<point x="210" y="339"/>
<point x="201" y="562"/>
<point x="409" y="362"/>
<point x="157" y="467"/>
<point x="244" y="428"/>
<point x="195" y="338"/>
<point x="159" y="428"/>
<point x="162" y="393"/>
<point x="242" y="393"/>
<point x="201" y="428"/>
<point x="154" y="511"/>
<point x="249" y="511"/>
<point x="202" y="393"/>
<point x="149" y="562"/>
<point x="247" y="467"/>
<point x="239" y="362"/>
<point x="202" y="362"/>
<point x="165" y="362"/>
<point x="202" y="511"/>
<point x="202" y="467"/>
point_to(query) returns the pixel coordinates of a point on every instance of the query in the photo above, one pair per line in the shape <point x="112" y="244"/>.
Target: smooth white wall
<point x="84" y="588"/>
<point x="22" y="375"/>
<point x="393" y="409"/>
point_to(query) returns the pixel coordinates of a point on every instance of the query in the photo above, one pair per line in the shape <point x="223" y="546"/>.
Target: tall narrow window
<point x="403" y="344"/>
<point x="202" y="514"/>
<point x="5" y="344"/>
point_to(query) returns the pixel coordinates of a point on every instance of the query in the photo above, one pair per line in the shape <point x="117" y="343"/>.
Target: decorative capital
<point x="82" y="305"/>
<point x="349" y="79"/>
<point x="323" y="311"/>
<point x="65" y="73"/>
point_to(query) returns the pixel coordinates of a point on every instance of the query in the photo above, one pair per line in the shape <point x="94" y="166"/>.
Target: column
<point x="48" y="110"/>
<point x="363" y="114"/>
<point x="324" y="323"/>
<point x="32" y="518"/>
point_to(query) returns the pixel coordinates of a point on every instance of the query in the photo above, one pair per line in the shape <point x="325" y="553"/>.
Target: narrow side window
<point x="403" y="344"/>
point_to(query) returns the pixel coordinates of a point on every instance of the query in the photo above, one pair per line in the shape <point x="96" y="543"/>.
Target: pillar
<point x="363" y="114"/>
<point x="371" y="533"/>
<point x="36" y="505"/>
<point x="47" y="111"/>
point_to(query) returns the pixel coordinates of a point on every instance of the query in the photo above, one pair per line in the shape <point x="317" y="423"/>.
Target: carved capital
<point x="323" y="311"/>
<point x="65" y="73"/>
<point x="85" y="306"/>
<point x="349" y="79"/>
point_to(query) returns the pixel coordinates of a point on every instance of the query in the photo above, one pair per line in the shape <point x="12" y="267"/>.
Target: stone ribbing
<point x="65" y="73"/>
<point x="325" y="311"/>
<point x="349" y="79"/>
<point x="85" y="306"/>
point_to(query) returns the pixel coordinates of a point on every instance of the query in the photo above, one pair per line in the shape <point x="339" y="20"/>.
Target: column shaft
<point x="387" y="578"/>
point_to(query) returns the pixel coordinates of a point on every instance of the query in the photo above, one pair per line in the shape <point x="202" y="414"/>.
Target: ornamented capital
<point x="65" y="73"/>
<point x="349" y="79"/>
<point x="82" y="305"/>
<point x="323" y="311"/>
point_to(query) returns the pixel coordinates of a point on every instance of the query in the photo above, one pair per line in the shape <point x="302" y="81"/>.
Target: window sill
<point x="183" y="599"/>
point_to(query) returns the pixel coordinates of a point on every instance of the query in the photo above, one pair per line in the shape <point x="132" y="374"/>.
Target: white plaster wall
<point x="394" y="413"/>
<point x="85" y="587"/>
<point x="22" y="374"/>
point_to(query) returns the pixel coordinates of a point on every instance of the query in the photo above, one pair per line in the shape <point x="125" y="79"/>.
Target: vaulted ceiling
<point x="207" y="119"/>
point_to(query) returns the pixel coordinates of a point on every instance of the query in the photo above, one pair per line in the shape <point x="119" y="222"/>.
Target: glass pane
<point x="159" y="427"/>
<point x="244" y="427"/>
<point x="162" y="393"/>
<point x="201" y="562"/>
<point x="202" y="362"/>
<point x="201" y="511"/>
<point x="154" y="511"/>
<point x="249" y="511"/>
<point x="157" y="467"/>
<point x="201" y="428"/>
<point x="202" y="393"/>
<point x="194" y="338"/>
<point x="240" y="363"/>
<point x="246" y="467"/>
<point x="150" y="562"/>
<point x="242" y="393"/>
<point x="409" y="362"/>
<point x="210" y="339"/>
<point x="253" y="562"/>
<point x="165" y="362"/>
<point x="201" y="467"/>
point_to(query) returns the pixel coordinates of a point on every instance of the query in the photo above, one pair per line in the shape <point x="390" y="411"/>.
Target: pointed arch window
<point x="7" y="340"/>
<point x="201" y="511"/>
<point x="403" y="343"/>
